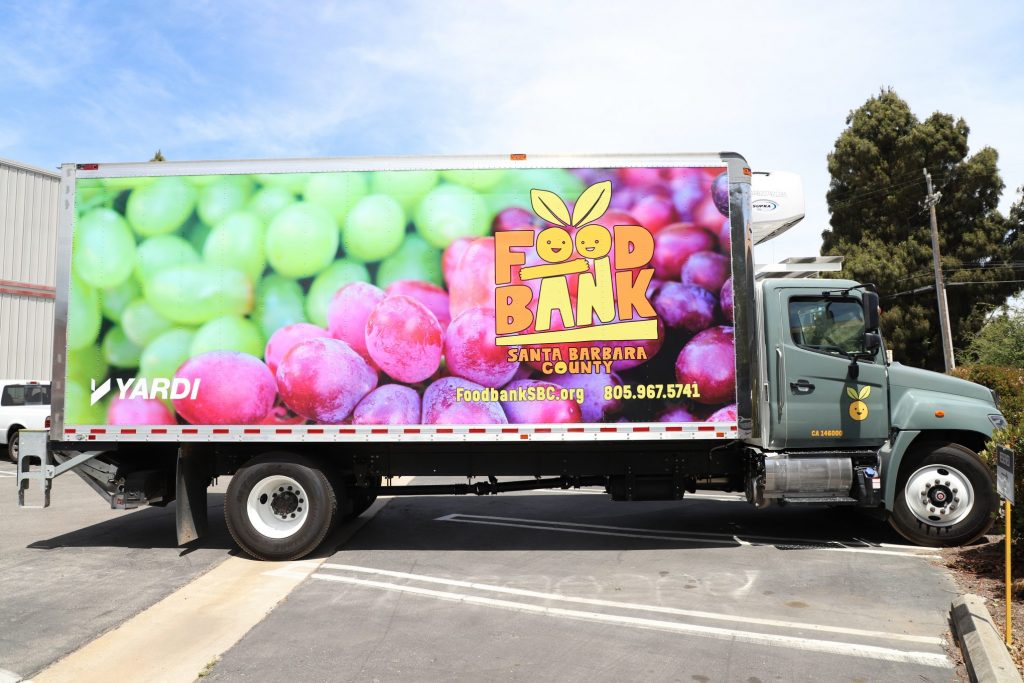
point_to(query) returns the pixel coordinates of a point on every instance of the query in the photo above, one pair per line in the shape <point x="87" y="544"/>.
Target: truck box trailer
<point x="316" y="327"/>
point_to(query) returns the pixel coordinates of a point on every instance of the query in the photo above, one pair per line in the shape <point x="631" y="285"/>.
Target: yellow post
<point x="1009" y="622"/>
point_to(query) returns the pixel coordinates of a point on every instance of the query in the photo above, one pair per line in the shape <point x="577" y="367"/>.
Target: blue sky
<point x="113" y="81"/>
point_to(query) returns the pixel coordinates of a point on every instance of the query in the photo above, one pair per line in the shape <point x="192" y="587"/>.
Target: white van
<point x="24" y="404"/>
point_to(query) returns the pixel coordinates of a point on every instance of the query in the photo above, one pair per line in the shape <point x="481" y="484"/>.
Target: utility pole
<point x="940" y="287"/>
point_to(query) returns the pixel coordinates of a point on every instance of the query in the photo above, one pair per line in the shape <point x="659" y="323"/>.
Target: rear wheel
<point x="945" y="496"/>
<point x="280" y="506"/>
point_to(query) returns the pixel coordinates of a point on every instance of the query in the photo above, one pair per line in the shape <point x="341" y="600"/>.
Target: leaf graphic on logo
<point x="864" y="393"/>
<point x="851" y="393"/>
<point x="592" y="203"/>
<point x="550" y="207"/>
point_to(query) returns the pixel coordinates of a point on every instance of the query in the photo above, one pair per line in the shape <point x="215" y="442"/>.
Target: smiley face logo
<point x="593" y="241"/>
<point x="554" y="245"/>
<point x="858" y="409"/>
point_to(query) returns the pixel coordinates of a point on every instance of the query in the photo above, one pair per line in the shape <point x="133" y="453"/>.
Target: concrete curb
<point x="982" y="646"/>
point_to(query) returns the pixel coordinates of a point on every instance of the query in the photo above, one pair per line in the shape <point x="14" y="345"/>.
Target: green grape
<point x="414" y="260"/>
<point x="222" y="197"/>
<point x="302" y="240"/>
<point x="293" y="182"/>
<point x="127" y="183"/>
<point x="195" y="293"/>
<point x="85" y="365"/>
<point x="327" y="283"/>
<point x="374" y="229"/>
<point x="77" y="410"/>
<point x="163" y="251"/>
<point x="228" y="333"/>
<point x="481" y="179"/>
<point x="268" y="201"/>
<point x="119" y="350"/>
<point x="406" y="187"/>
<point x="279" y="302"/>
<point x="164" y="355"/>
<point x="160" y="207"/>
<point x="141" y="323"/>
<point x="104" y="248"/>
<point x="237" y="242"/>
<point x="450" y="212"/>
<point x="83" y="315"/>
<point x="114" y="299"/>
<point x="336" y="192"/>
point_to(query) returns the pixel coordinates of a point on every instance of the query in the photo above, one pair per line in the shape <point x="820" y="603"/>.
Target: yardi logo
<point x="161" y="387"/>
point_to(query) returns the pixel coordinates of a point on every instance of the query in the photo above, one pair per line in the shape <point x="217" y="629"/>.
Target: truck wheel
<point x="945" y="496"/>
<point x="12" y="445"/>
<point x="280" y="506"/>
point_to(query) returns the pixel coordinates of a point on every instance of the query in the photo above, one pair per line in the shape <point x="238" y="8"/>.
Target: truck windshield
<point x="25" y="395"/>
<point x="827" y="324"/>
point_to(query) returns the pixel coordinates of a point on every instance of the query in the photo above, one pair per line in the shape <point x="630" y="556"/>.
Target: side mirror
<point x="872" y="342"/>
<point x="870" y="302"/>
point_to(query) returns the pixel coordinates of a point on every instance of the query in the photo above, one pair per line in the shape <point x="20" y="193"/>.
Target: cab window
<point x="25" y="395"/>
<point x="827" y="325"/>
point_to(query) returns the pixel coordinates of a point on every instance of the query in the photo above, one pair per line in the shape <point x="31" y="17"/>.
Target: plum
<point x="348" y="312"/>
<point x="540" y="411"/>
<point x="470" y="351"/>
<point x="687" y="307"/>
<point x="451" y="257"/>
<point x="720" y="193"/>
<point x="725" y="300"/>
<point x="709" y="361"/>
<point x="287" y="337"/>
<point x="404" y="339"/>
<point x="428" y="294"/>
<point x="653" y="212"/>
<point x="724" y="414"/>
<point x="513" y="218"/>
<point x="595" y="407"/>
<point x="234" y="388"/>
<point x="707" y="269"/>
<point x="323" y="379"/>
<point x="472" y="283"/>
<point x="390" y="404"/>
<point x="677" y="413"/>
<point x="675" y="244"/>
<point x="443" y="403"/>
<point x="139" y="411"/>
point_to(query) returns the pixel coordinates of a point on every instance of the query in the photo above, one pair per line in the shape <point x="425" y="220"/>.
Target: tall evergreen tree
<point x="880" y="223"/>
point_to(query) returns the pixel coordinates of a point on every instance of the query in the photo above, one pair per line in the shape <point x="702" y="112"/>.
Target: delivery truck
<point x="313" y="328"/>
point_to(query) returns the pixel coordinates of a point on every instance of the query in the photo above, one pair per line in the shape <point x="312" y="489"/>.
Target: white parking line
<point x="683" y="536"/>
<point x="661" y="609"/>
<point x="806" y="644"/>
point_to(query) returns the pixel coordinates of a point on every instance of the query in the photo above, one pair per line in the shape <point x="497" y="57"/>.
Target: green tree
<point x="999" y="342"/>
<point x="879" y="223"/>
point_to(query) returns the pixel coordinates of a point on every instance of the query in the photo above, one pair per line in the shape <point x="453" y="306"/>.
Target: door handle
<point x="802" y="387"/>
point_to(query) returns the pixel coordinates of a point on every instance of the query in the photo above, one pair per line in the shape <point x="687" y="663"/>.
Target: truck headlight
<point x="998" y="421"/>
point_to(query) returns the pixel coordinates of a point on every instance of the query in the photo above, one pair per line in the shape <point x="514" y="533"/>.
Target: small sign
<point x="1004" y="473"/>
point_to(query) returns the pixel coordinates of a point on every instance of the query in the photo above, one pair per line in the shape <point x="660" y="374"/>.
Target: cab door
<point x="821" y="401"/>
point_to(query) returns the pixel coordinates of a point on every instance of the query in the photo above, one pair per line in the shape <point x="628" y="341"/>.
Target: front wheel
<point x="945" y="496"/>
<point x="280" y="507"/>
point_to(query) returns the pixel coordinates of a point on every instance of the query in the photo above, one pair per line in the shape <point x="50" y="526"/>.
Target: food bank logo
<point x="611" y="266"/>
<point x="858" y="409"/>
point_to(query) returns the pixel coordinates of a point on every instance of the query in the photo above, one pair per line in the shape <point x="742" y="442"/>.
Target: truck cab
<point x="837" y="417"/>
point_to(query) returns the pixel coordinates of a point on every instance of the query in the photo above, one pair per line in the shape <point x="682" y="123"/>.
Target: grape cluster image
<point x="367" y="298"/>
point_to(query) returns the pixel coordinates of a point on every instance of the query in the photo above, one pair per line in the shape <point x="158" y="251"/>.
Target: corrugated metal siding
<point x="28" y="239"/>
<point x="26" y="337"/>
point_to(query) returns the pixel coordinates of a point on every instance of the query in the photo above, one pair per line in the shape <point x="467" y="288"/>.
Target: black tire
<point x="320" y="513"/>
<point x="944" y="460"/>
<point x="13" y="440"/>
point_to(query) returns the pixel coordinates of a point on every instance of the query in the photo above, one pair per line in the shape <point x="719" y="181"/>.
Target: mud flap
<point x="192" y="479"/>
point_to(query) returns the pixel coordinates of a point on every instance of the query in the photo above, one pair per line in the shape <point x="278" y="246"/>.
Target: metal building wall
<point x="28" y="240"/>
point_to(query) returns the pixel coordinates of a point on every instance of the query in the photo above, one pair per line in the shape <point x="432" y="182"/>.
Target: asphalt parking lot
<point x="519" y="586"/>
